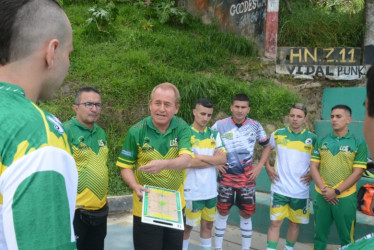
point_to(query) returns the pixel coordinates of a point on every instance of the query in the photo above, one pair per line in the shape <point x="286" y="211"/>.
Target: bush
<point x="102" y="18"/>
<point x="325" y="23"/>
<point x="166" y="11"/>
<point x="198" y="59"/>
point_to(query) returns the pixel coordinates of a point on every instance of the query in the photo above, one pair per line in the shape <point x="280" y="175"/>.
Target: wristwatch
<point x="337" y="192"/>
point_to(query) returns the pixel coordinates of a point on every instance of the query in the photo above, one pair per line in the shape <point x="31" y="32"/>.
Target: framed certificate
<point x="162" y="207"/>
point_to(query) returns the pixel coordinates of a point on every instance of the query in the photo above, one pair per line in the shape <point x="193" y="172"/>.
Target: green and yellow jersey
<point x="337" y="157"/>
<point x="90" y="152"/>
<point x="201" y="183"/>
<point x="292" y="161"/>
<point x="38" y="177"/>
<point x="144" y="143"/>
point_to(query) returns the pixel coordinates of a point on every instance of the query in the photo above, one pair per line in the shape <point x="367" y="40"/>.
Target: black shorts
<point x="147" y="236"/>
<point x="245" y="199"/>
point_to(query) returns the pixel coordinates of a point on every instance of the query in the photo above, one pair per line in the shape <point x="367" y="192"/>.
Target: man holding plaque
<point x="155" y="152"/>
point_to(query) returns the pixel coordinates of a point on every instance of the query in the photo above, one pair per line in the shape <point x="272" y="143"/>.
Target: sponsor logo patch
<point x="126" y="152"/>
<point x="228" y="136"/>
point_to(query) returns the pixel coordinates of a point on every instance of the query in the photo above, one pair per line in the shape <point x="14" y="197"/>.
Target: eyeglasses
<point x="90" y="105"/>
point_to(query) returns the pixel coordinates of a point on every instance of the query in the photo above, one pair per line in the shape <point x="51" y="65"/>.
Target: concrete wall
<point x="247" y="18"/>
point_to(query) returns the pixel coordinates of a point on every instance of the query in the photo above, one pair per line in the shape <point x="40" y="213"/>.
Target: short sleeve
<point x="261" y="136"/>
<point x="129" y="152"/>
<point x="360" y="160"/>
<point x="316" y="157"/>
<point x="184" y="140"/>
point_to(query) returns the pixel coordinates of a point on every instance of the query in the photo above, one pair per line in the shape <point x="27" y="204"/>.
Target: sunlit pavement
<point x="119" y="237"/>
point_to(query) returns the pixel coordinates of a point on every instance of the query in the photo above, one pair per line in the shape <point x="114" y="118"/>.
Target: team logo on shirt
<point x="56" y="122"/>
<point x="324" y="147"/>
<point x="101" y="143"/>
<point x="344" y="149"/>
<point x="147" y="148"/>
<point x="252" y="135"/>
<point x="174" y="142"/>
<point x="308" y="141"/>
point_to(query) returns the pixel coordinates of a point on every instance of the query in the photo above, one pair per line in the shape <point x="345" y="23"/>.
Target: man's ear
<point x="75" y="108"/>
<point x="51" y="51"/>
<point x="176" y="112"/>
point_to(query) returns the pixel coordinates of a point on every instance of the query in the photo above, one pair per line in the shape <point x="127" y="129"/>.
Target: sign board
<point x="341" y="63"/>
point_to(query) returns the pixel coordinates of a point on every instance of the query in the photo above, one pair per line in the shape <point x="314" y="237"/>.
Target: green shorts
<point x="296" y="210"/>
<point x="202" y="209"/>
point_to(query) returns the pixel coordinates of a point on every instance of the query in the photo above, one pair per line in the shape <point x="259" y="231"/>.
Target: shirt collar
<point x="301" y="132"/>
<point x="172" y="125"/>
<point x="346" y="136"/>
<point x="239" y="125"/>
<point x="78" y="124"/>
<point x="198" y="131"/>
<point x="11" y="88"/>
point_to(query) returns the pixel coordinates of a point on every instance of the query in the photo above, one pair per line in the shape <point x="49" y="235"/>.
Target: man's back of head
<point x="35" y="44"/>
<point x="26" y="24"/>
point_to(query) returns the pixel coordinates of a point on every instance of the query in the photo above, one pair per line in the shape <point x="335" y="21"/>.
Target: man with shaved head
<point x="38" y="177"/>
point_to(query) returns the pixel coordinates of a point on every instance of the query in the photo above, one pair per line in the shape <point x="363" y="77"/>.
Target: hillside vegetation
<point x="321" y="23"/>
<point x="128" y="48"/>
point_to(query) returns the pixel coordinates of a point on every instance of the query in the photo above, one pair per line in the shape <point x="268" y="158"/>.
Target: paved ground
<point x="120" y="237"/>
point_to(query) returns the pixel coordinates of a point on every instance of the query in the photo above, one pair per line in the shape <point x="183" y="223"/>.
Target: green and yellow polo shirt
<point x="144" y="143"/>
<point x="38" y="177"/>
<point x="337" y="157"/>
<point x="90" y="152"/>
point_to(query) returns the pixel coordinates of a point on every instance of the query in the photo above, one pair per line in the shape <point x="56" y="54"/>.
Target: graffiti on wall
<point x="246" y="6"/>
<point x="249" y="16"/>
<point x="244" y="17"/>
<point x="329" y="71"/>
<point x="333" y="63"/>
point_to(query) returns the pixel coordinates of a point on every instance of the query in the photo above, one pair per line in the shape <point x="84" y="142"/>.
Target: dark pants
<point x="89" y="233"/>
<point x="152" y="237"/>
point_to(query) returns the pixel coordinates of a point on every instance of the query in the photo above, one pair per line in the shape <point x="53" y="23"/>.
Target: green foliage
<point x="166" y="11"/>
<point x="102" y="17"/>
<point x="345" y="6"/>
<point x="324" y="23"/>
<point x="269" y="102"/>
<point x="198" y="59"/>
